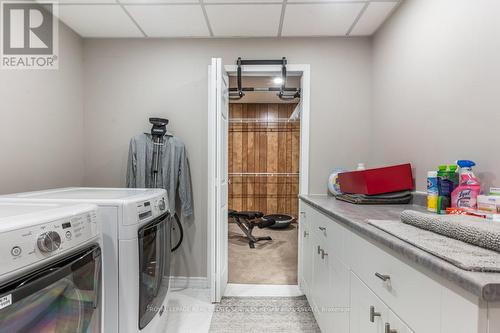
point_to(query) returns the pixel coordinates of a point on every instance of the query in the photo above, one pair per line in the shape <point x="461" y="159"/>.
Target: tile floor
<point x="190" y="309"/>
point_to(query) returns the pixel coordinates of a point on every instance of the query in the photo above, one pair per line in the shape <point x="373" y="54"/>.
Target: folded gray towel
<point x="469" y="229"/>
<point x="463" y="255"/>
<point x="403" y="197"/>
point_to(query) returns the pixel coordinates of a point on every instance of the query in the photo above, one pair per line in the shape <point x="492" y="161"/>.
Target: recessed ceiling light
<point x="278" y="80"/>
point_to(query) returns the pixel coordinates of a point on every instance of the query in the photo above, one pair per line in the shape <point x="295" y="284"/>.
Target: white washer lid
<point x="11" y="209"/>
<point x="97" y="195"/>
<point x="82" y="193"/>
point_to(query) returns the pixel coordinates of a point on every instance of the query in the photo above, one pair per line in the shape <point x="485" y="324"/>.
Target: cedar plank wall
<point x="267" y="147"/>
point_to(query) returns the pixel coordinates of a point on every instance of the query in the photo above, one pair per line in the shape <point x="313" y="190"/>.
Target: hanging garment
<point x="173" y="174"/>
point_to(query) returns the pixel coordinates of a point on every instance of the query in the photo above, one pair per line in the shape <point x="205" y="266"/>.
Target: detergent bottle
<point x="465" y="195"/>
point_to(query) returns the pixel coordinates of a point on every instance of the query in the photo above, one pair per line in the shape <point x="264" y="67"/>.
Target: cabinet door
<point x="305" y="252"/>
<point x="335" y="300"/>
<point x="330" y="289"/>
<point x="319" y="275"/>
<point x="396" y="325"/>
<point x="368" y="313"/>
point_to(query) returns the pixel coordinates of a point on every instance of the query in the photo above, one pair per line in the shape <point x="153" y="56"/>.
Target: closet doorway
<point x="263" y="162"/>
<point x="266" y="171"/>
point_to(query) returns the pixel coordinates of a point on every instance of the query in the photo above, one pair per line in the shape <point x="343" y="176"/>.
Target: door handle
<point x="373" y="314"/>
<point x="323" y="254"/>
<point x="319" y="249"/>
<point x="383" y="277"/>
<point x="306" y="233"/>
<point x="388" y="329"/>
<point x="322" y="228"/>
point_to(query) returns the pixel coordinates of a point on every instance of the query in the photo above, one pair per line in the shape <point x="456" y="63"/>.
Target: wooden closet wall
<point x="262" y="141"/>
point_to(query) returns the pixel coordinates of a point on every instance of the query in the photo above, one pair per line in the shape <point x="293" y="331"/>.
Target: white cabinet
<point x="395" y="325"/>
<point x="305" y="252"/>
<point x="355" y="285"/>
<point x="326" y="278"/>
<point x="369" y="314"/>
<point x="412" y="294"/>
<point x="367" y="310"/>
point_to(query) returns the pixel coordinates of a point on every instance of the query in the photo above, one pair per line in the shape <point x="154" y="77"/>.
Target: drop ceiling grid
<point x="238" y="18"/>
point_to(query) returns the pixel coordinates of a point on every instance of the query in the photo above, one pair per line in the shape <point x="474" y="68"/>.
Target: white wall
<point x="436" y="86"/>
<point x="126" y="81"/>
<point x="41" y="122"/>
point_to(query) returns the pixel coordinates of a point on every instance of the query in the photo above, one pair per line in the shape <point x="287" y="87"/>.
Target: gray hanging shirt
<point x="173" y="173"/>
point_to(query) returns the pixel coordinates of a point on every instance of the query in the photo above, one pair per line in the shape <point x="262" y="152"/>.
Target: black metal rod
<point x="261" y="62"/>
<point x="283" y="91"/>
<point x="266" y="89"/>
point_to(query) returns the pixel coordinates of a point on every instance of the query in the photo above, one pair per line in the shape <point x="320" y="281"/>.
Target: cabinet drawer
<point x="328" y="232"/>
<point x="407" y="291"/>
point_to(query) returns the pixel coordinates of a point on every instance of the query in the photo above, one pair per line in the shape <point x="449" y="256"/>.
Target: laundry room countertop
<point x="355" y="217"/>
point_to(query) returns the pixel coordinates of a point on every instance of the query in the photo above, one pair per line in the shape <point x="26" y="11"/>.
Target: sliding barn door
<point x="218" y="160"/>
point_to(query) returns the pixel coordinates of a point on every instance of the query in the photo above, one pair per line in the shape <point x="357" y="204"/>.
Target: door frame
<point x="302" y="70"/>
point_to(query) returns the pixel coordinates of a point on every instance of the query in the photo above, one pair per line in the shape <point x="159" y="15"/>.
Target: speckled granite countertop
<point x="485" y="285"/>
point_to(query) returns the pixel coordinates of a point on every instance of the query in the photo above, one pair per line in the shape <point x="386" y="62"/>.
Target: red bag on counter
<point x="377" y="181"/>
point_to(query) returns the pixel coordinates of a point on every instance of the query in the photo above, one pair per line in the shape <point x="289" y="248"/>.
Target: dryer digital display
<point x="144" y="210"/>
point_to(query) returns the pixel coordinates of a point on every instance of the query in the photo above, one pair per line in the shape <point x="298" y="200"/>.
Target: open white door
<point x="218" y="115"/>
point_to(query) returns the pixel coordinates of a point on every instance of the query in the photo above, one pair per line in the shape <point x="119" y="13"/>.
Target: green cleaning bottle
<point x="454" y="175"/>
<point x="445" y="187"/>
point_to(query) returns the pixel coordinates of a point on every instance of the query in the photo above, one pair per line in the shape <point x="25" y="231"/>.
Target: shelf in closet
<point x="264" y="174"/>
<point x="262" y="120"/>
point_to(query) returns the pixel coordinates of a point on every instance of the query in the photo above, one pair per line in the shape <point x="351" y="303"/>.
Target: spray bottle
<point x="465" y="195"/>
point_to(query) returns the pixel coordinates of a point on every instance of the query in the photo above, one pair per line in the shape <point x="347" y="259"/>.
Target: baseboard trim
<point x="188" y="282"/>
<point x="262" y="290"/>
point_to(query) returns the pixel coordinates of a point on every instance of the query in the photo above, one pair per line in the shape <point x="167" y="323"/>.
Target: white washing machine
<point x="136" y="252"/>
<point x="50" y="268"/>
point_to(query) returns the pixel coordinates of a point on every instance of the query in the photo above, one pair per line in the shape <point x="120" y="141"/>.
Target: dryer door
<point x="154" y="261"/>
<point x="62" y="297"/>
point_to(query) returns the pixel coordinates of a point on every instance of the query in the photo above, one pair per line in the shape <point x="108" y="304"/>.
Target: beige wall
<point x="436" y="86"/>
<point x="126" y="81"/>
<point x="41" y="122"/>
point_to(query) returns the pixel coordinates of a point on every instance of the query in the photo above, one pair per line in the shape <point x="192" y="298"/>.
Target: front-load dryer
<point x="50" y="269"/>
<point x="136" y="252"/>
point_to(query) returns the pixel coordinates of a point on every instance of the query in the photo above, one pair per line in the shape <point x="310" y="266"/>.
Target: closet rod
<point x="258" y="174"/>
<point x="265" y="89"/>
<point x="259" y="120"/>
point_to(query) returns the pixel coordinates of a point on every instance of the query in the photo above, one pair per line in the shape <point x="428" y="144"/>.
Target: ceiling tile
<point x="156" y="2"/>
<point x="373" y="17"/>
<point x="244" y="20"/>
<point x="98" y="21"/>
<point x="170" y="20"/>
<point x="341" y="1"/>
<point x="328" y="19"/>
<point x="244" y="1"/>
<point x="85" y="1"/>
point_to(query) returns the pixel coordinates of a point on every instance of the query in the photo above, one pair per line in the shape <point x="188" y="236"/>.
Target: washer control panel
<point x="151" y="208"/>
<point x="23" y="247"/>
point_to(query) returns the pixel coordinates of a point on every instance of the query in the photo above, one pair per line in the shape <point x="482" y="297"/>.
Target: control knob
<point x="49" y="241"/>
<point x="161" y="204"/>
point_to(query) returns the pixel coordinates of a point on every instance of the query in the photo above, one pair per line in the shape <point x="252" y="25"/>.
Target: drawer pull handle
<point x="373" y="314"/>
<point x="388" y="329"/>
<point x="306" y="233"/>
<point x="323" y="254"/>
<point x="319" y="249"/>
<point x="322" y="228"/>
<point x="383" y="277"/>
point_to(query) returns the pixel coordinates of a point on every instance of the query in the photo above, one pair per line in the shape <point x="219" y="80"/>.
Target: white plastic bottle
<point x="432" y="191"/>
